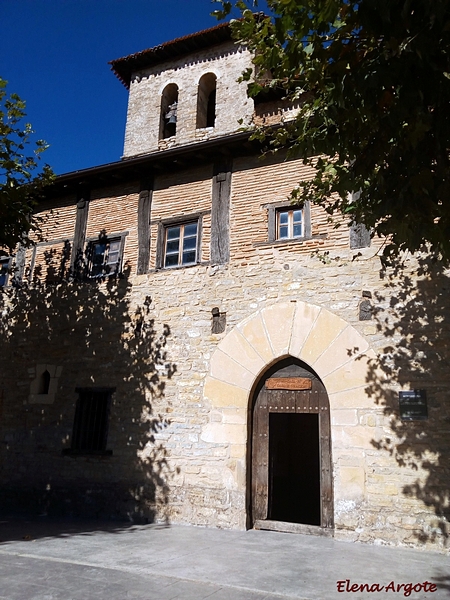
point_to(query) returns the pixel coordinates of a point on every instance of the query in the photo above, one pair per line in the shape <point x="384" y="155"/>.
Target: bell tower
<point x="185" y="91"/>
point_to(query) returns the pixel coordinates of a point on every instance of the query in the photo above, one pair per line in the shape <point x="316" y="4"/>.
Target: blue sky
<point x="55" y="53"/>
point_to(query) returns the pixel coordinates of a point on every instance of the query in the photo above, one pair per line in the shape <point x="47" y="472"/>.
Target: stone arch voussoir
<point x="333" y="348"/>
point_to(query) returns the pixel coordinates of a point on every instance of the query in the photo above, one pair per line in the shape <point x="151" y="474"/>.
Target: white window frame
<point x="276" y="209"/>
<point x="291" y="225"/>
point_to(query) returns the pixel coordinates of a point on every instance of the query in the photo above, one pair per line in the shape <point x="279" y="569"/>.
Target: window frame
<point x="182" y="250"/>
<point x="164" y="226"/>
<point x="275" y="209"/>
<point x="82" y="440"/>
<point x="91" y="243"/>
<point x="290" y="224"/>
<point x="5" y="262"/>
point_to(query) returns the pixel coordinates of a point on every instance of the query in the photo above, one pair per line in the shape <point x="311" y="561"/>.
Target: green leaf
<point x="372" y="78"/>
<point x="21" y="177"/>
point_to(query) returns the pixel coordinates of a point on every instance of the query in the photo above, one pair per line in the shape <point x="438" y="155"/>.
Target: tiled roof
<point x="124" y="67"/>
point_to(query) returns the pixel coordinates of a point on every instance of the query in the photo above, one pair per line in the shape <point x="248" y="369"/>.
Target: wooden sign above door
<point x="288" y="383"/>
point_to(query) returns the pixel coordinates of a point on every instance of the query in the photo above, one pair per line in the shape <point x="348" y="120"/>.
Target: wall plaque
<point x="288" y="383"/>
<point x="413" y="405"/>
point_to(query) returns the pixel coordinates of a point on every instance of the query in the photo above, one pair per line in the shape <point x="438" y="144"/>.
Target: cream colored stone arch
<point x="209" y="69"/>
<point x="336" y="351"/>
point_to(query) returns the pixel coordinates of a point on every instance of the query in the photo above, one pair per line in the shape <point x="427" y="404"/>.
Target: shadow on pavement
<point x="24" y="528"/>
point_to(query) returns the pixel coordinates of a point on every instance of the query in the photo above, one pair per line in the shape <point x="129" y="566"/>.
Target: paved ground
<point x="51" y="560"/>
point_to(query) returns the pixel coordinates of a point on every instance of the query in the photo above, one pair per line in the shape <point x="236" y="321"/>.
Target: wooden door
<point x="292" y="390"/>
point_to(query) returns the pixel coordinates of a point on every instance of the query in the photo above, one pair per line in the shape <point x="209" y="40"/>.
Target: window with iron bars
<point x="90" y="428"/>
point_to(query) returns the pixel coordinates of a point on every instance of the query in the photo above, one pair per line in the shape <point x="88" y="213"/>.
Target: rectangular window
<point x="90" y="429"/>
<point x="4" y="270"/>
<point x="289" y="224"/>
<point x="105" y="256"/>
<point x="181" y="245"/>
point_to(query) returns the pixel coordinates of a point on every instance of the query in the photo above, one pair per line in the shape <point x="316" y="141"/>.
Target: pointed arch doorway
<point x="291" y="475"/>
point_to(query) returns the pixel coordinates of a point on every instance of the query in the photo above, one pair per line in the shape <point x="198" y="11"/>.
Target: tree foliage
<point x="372" y="78"/>
<point x="21" y="179"/>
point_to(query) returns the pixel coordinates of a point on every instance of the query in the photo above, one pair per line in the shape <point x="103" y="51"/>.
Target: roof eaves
<point x="125" y="66"/>
<point x="141" y="163"/>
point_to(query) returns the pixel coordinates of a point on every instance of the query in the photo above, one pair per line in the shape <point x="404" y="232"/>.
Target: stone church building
<point x="184" y="345"/>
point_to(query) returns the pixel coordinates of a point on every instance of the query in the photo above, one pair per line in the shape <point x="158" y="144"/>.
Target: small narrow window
<point x="44" y="383"/>
<point x="105" y="257"/>
<point x="290" y="224"/>
<point x="4" y="270"/>
<point x="219" y="321"/>
<point x="181" y="245"/>
<point x="169" y="110"/>
<point x="90" y="429"/>
<point x="206" y="101"/>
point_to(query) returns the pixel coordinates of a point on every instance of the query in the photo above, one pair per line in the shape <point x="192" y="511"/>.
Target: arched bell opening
<point x="169" y="109"/>
<point x="206" y="101"/>
<point x="290" y="483"/>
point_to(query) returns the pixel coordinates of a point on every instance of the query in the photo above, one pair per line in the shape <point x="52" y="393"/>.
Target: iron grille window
<point x="90" y="429"/>
<point x="181" y="245"/>
<point x="105" y="256"/>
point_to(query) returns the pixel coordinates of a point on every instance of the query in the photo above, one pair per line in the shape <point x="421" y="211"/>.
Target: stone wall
<point x="181" y="410"/>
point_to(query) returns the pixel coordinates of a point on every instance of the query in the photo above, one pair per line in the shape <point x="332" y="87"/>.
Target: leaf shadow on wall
<point x="97" y="337"/>
<point x="413" y="315"/>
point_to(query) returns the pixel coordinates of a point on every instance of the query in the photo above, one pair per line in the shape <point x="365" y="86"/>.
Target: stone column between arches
<point x="336" y="351"/>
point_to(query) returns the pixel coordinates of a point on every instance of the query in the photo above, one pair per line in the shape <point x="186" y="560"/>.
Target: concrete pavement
<point x="73" y="560"/>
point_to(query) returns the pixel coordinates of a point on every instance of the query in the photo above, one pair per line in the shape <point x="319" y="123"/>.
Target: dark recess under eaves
<point x="135" y="168"/>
